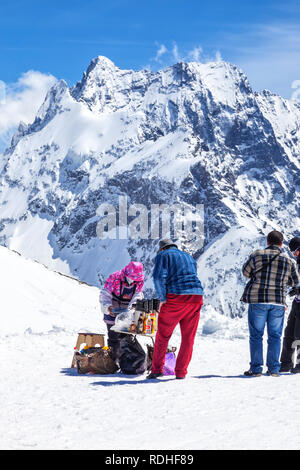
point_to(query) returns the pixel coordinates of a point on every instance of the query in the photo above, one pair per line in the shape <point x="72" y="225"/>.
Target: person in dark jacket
<point x="292" y="330"/>
<point x="181" y="298"/>
<point x="270" y="272"/>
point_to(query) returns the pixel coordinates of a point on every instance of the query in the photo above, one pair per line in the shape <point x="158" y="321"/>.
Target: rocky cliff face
<point x="191" y="134"/>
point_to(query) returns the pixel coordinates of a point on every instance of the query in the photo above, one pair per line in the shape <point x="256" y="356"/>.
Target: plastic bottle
<point x="140" y="325"/>
<point x="144" y="322"/>
<point x="148" y="324"/>
<point x="153" y="322"/>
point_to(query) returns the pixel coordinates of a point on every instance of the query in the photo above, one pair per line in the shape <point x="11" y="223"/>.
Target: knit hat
<point x="133" y="270"/>
<point x="294" y="244"/>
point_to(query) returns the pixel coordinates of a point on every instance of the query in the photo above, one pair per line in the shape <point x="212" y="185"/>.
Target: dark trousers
<point x="291" y="333"/>
<point x="113" y="342"/>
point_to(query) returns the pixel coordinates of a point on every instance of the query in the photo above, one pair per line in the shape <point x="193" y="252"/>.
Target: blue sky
<point x="61" y="37"/>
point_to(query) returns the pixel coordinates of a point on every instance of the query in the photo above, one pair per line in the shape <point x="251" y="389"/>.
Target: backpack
<point x="95" y="360"/>
<point x="132" y="357"/>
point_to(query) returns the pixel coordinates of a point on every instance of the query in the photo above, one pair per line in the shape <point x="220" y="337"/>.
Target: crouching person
<point x="181" y="295"/>
<point x="120" y="291"/>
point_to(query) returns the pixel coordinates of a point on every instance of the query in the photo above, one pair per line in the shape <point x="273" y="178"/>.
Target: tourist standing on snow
<point x="120" y="291"/>
<point x="270" y="272"/>
<point x="292" y="330"/>
<point x="181" y="298"/>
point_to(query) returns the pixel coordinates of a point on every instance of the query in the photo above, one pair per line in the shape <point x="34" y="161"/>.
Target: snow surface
<point x="46" y="405"/>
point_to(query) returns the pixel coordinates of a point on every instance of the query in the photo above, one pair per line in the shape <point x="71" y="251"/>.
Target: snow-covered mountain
<point x="191" y="134"/>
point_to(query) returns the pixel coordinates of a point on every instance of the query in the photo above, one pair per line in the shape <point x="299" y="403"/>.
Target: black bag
<point x="132" y="358"/>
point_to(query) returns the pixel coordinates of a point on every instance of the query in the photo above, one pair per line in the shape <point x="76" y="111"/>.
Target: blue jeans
<point x="258" y="316"/>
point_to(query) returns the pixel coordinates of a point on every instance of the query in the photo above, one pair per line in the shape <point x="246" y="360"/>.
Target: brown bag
<point x="98" y="362"/>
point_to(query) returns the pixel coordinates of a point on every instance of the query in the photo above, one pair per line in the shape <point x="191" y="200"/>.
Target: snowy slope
<point x="46" y="405"/>
<point x="191" y="134"/>
<point x="35" y="300"/>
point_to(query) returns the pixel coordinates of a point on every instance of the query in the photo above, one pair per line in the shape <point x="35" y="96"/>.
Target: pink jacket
<point x="112" y="287"/>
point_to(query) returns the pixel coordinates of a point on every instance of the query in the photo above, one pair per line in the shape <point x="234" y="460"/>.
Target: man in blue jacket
<point x="181" y="298"/>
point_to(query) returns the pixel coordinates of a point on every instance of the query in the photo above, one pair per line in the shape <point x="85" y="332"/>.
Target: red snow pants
<point x="185" y="310"/>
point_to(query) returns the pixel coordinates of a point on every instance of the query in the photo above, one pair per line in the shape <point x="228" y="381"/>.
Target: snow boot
<point x="285" y="368"/>
<point x="273" y="374"/>
<point x="154" y="376"/>
<point x="250" y="373"/>
<point x="296" y="370"/>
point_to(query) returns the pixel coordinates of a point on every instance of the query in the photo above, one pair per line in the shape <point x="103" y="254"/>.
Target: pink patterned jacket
<point x="118" y="293"/>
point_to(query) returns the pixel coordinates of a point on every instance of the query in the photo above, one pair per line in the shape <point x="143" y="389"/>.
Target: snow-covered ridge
<point x="192" y="133"/>
<point x="37" y="300"/>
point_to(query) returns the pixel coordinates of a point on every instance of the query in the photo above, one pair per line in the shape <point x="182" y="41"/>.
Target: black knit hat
<point x="294" y="244"/>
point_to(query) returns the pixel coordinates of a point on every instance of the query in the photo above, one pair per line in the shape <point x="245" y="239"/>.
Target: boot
<point x="285" y="367"/>
<point x="250" y="373"/>
<point x="273" y="374"/>
<point x="154" y="376"/>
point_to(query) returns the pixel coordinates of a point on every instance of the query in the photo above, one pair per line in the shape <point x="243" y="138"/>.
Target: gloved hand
<point x="294" y="291"/>
<point x="107" y="311"/>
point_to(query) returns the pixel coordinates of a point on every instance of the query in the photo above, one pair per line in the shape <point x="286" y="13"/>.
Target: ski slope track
<point x="191" y="134"/>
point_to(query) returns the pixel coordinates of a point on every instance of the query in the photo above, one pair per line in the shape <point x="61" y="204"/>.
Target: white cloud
<point x="161" y="51"/>
<point x="218" y="56"/>
<point x="175" y="52"/>
<point x="2" y="92"/>
<point x="20" y="101"/>
<point x="195" y="54"/>
<point x="269" y="54"/>
<point x="296" y="94"/>
<point x="166" y="56"/>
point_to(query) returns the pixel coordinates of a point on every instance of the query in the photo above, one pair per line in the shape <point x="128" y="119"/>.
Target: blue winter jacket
<point x="175" y="272"/>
